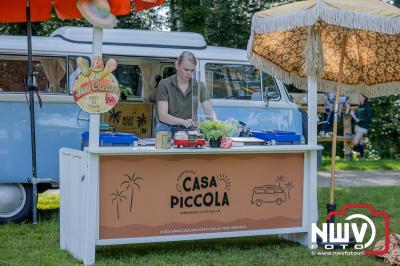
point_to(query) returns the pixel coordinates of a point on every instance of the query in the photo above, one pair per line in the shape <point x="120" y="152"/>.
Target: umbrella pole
<point x="331" y="206"/>
<point x="31" y="87"/>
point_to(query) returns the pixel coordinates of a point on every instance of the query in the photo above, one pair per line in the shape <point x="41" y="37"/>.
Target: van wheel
<point x="258" y="202"/>
<point x="198" y="146"/>
<point x="279" y="201"/>
<point x="180" y="146"/>
<point x="15" y="202"/>
<point x="304" y="124"/>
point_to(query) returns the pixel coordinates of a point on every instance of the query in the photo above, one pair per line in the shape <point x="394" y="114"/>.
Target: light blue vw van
<point x="239" y="90"/>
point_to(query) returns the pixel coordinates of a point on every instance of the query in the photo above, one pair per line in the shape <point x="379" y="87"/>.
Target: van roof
<point x="129" y="37"/>
<point x="122" y="42"/>
<point x="266" y="186"/>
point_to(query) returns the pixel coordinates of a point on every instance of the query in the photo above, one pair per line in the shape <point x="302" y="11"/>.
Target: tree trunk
<point x="174" y="15"/>
<point x="130" y="208"/>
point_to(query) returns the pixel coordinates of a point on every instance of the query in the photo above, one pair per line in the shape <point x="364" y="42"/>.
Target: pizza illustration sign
<point x="96" y="89"/>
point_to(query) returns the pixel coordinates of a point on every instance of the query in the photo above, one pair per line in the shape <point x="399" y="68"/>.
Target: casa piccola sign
<point x="195" y="191"/>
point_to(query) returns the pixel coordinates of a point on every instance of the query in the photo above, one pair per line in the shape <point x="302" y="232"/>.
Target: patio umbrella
<point x="349" y="46"/>
<point x="14" y="11"/>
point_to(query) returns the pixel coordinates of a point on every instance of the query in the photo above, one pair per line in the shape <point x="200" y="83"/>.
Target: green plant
<point x="125" y="91"/>
<point x="213" y="130"/>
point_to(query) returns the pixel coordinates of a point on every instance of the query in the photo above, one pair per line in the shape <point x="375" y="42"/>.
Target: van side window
<point x="130" y="80"/>
<point x="240" y="82"/>
<point x="270" y="190"/>
<point x="259" y="191"/>
<point x="50" y="73"/>
<point x="168" y="71"/>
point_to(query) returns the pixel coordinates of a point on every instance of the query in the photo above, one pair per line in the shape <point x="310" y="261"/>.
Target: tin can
<point x="163" y="140"/>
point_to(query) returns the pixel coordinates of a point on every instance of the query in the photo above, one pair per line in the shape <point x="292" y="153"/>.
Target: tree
<point x="173" y="20"/>
<point x="188" y="15"/>
<point x="384" y="130"/>
<point x="223" y="23"/>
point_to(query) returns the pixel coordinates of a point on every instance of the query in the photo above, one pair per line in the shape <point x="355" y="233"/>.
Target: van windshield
<point x="240" y="82"/>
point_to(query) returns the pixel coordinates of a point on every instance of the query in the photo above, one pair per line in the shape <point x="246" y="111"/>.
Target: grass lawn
<point x="366" y="165"/>
<point x="26" y="244"/>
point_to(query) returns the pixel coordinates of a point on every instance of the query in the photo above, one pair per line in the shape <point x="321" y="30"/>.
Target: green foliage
<point x="213" y="130"/>
<point x="361" y="165"/>
<point x="193" y="15"/>
<point x="223" y="23"/>
<point x="384" y="133"/>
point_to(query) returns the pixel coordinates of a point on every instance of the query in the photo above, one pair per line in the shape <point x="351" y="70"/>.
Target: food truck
<point x="239" y="92"/>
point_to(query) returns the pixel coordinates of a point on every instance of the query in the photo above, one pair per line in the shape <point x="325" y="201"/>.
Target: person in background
<point x="174" y="97"/>
<point x="329" y="112"/>
<point x="362" y="117"/>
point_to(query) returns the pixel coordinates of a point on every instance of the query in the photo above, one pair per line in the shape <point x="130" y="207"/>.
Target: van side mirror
<point x="266" y="96"/>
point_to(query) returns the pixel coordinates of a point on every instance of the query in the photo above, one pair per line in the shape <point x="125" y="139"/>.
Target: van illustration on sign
<point x="96" y="90"/>
<point x="128" y="184"/>
<point x="272" y="193"/>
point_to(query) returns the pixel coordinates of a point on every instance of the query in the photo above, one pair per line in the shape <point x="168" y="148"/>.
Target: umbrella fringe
<point x="383" y="89"/>
<point x="330" y="15"/>
<point x="284" y="22"/>
<point x="300" y="82"/>
<point x="360" y="21"/>
<point x="276" y="71"/>
<point x="313" y="64"/>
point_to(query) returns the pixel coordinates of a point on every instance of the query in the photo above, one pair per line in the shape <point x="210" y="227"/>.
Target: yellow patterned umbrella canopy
<point x="305" y="38"/>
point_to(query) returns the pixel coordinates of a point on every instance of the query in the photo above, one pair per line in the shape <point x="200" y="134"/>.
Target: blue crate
<point x="111" y="139"/>
<point x="279" y="136"/>
<point x="264" y="135"/>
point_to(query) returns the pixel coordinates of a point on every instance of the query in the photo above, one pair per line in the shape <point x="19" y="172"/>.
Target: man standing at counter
<point x="174" y="96"/>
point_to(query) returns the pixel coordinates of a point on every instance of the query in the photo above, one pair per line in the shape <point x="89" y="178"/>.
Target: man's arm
<point x="163" y="116"/>
<point x="208" y="110"/>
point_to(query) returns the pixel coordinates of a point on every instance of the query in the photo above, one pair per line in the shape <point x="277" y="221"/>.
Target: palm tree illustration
<point x="280" y="179"/>
<point x="288" y="186"/>
<point x="114" y="116"/>
<point x="141" y="120"/>
<point x="130" y="182"/>
<point x="118" y="196"/>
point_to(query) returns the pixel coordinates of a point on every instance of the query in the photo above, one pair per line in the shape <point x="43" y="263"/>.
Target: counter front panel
<point x="164" y="195"/>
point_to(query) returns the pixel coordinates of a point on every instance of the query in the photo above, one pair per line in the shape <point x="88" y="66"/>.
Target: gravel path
<point x="360" y="178"/>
